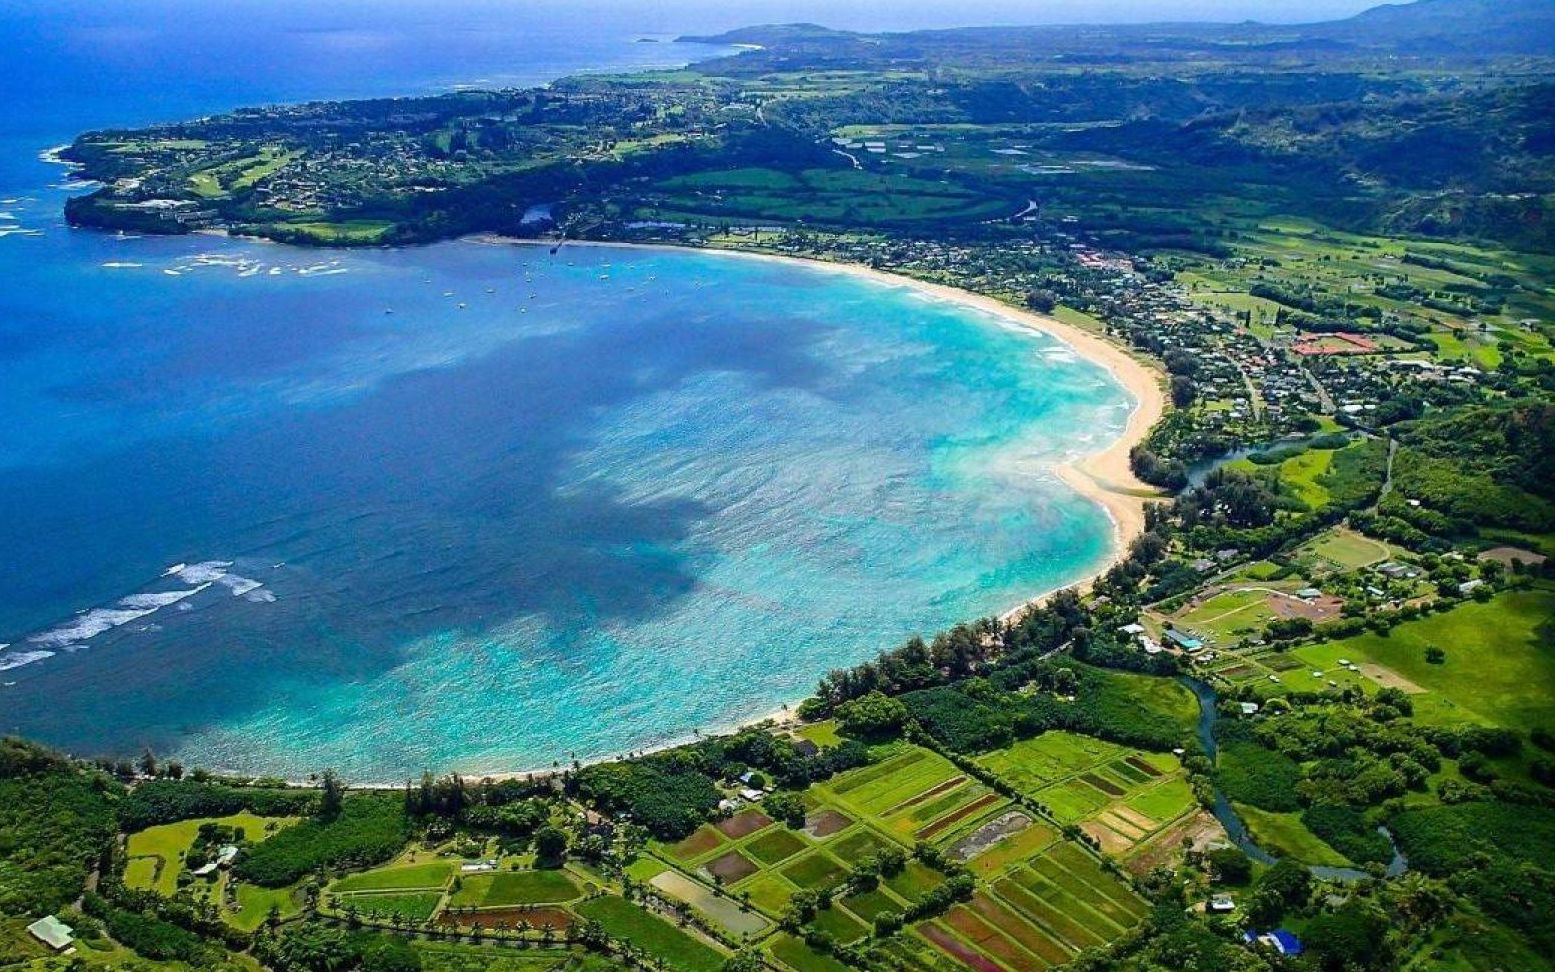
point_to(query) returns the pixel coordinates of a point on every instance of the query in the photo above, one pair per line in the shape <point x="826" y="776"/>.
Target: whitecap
<point x="260" y="595"/>
<point x="16" y="659"/>
<point x="205" y="572"/>
<point x="160" y="599"/>
<point x="88" y="625"/>
<point x="122" y="265"/>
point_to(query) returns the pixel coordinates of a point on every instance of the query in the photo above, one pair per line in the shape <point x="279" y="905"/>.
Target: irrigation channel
<point x="1209" y="714"/>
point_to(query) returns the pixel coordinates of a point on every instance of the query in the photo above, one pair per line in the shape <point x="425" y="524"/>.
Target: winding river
<point x="1237" y="830"/>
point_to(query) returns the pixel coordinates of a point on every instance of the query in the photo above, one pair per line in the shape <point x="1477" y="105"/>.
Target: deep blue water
<point x="469" y="506"/>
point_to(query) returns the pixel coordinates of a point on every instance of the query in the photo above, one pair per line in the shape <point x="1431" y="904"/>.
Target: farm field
<point x="416" y="906"/>
<point x="504" y="888"/>
<point x="428" y="874"/>
<point x="735" y="919"/>
<point x="437" y="956"/>
<point x="912" y="794"/>
<point x="1118" y="795"/>
<point x="1038" y="915"/>
<point x="654" y="935"/>
<point x="823" y="195"/>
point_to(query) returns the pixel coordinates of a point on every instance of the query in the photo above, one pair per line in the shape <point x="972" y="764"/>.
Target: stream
<point x="1237" y="830"/>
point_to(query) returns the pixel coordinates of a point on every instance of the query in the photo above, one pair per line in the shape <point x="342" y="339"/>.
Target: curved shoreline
<point x="1104" y="476"/>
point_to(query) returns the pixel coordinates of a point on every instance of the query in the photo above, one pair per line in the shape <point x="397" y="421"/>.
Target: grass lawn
<point x="657" y="937"/>
<point x="1228" y="616"/>
<point x="1349" y="550"/>
<point x="350" y="231"/>
<point x="168" y="842"/>
<point x="1299" y="474"/>
<point x="1500" y="665"/>
<point x="515" y="888"/>
<point x="141" y="872"/>
<point x="1284" y="835"/>
<point x="822" y="733"/>
<point x="254" y="905"/>
<point x="429" y="874"/>
<point x="1163" y="696"/>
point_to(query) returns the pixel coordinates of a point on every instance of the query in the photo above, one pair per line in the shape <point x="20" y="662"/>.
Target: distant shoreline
<point x="1103" y="477"/>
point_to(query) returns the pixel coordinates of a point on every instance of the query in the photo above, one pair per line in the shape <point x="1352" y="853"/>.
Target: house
<point x="53" y="933"/>
<point x="1221" y="904"/>
<point x="478" y="867"/>
<point x="805" y="747"/>
<point x="1468" y="587"/>
<point x="226" y="855"/>
<point x="1309" y="593"/>
<point x="1249" y="708"/>
<point x="753" y="796"/>
<point x="1282" y="941"/>
<point x="1132" y="630"/>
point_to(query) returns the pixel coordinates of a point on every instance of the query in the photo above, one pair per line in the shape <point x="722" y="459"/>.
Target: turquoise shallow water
<point x="507" y="506"/>
<point x="547" y="506"/>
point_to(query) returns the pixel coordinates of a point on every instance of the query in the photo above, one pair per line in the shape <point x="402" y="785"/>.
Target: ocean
<point x="469" y="506"/>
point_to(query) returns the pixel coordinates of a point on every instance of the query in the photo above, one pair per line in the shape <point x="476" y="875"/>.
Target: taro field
<point x="740" y="873"/>
<point x="1120" y="796"/>
<point x="1040" y="914"/>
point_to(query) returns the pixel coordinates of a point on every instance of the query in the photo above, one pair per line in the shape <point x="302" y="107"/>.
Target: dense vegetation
<point x="161" y="801"/>
<point x="56" y="824"/>
<point x="368" y="829"/>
